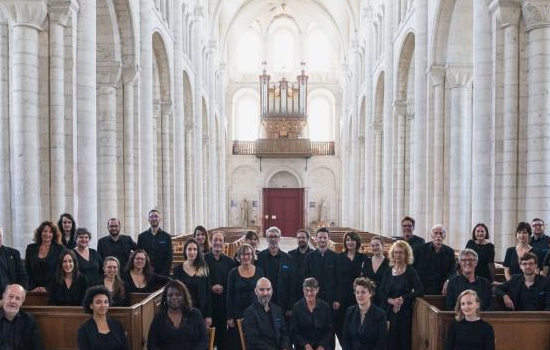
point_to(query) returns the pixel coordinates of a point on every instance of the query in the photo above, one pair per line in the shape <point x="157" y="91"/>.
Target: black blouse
<point x="199" y="288"/>
<point x="470" y="335"/>
<point x="485" y="256"/>
<point x="91" y="269"/>
<point x="41" y="271"/>
<point x="406" y="285"/>
<point x="89" y="337"/>
<point x="369" y="335"/>
<point x="313" y="328"/>
<point x="511" y="260"/>
<point x="240" y="292"/>
<point x="60" y="295"/>
<point x="190" y="335"/>
<point x="154" y="283"/>
<point x="349" y="270"/>
<point x="119" y="299"/>
<point x="368" y="271"/>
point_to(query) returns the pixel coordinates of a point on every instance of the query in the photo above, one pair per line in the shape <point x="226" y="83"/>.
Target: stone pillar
<point x="388" y="128"/>
<point x="355" y="197"/>
<point x="537" y="20"/>
<point x="59" y="13"/>
<point x="108" y="77"/>
<point x="400" y="113"/>
<point x="437" y="76"/>
<point x="25" y="19"/>
<point x="222" y="196"/>
<point x="180" y="209"/>
<point x="167" y="161"/>
<point x="189" y="174"/>
<point x="146" y="167"/>
<point x="199" y="179"/>
<point x="418" y="202"/>
<point x="378" y="180"/>
<point x="213" y="151"/>
<point x="369" y="161"/>
<point x="128" y="79"/>
<point x="5" y="183"/>
<point x="460" y="81"/>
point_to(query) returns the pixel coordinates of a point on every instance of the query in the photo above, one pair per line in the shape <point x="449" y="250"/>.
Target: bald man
<point x="18" y="328"/>
<point x="264" y="322"/>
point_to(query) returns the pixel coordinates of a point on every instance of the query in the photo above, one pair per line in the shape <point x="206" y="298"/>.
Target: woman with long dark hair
<point x="139" y="275"/>
<point x="69" y="286"/>
<point x="67" y="228"/>
<point x="201" y="236"/>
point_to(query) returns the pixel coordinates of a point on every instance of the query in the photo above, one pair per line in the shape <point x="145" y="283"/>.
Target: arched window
<point x="283" y="55"/>
<point x="248" y="52"/>
<point x="318" y="51"/>
<point x="320" y="117"/>
<point x="246" y="115"/>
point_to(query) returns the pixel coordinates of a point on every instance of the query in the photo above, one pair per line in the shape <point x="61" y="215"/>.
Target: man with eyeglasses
<point x="158" y="245"/>
<point x="468" y="280"/>
<point x="407" y="228"/>
<point x="115" y="244"/>
<point x="278" y="268"/>
<point x="527" y="291"/>
<point x="540" y="241"/>
<point x="435" y="262"/>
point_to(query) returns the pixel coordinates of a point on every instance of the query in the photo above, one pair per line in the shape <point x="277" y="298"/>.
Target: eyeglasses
<point x="528" y="263"/>
<point x="467" y="260"/>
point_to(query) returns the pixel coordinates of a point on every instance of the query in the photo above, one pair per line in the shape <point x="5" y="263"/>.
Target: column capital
<point x="367" y="14"/>
<point x="59" y="11"/>
<point x="130" y="73"/>
<point x="507" y="11"/>
<point x="437" y="75"/>
<point x="199" y="13"/>
<point x="167" y="107"/>
<point x="189" y="125"/>
<point x="400" y="107"/>
<point x="536" y="14"/>
<point x="108" y="73"/>
<point x="459" y="76"/>
<point x="31" y="13"/>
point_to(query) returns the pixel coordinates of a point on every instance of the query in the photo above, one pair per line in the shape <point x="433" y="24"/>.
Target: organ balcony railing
<point x="283" y="148"/>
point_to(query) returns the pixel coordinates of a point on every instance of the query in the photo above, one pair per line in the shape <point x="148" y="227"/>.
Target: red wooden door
<point x="284" y="208"/>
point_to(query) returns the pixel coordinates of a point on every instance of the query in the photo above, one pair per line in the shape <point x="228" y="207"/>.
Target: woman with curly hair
<point x="41" y="256"/>
<point x="139" y="275"/>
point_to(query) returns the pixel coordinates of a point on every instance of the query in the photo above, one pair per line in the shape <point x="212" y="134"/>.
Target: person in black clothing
<point x="158" y="245"/>
<point x="114" y="283"/>
<point x="178" y="325"/>
<point x="194" y="275"/>
<point x="407" y="228"/>
<point x="100" y="332"/>
<point x="375" y="267"/>
<point x="468" y="280"/>
<point x="528" y="291"/>
<point x="278" y="268"/>
<point x="400" y="286"/>
<point x="264" y="321"/>
<point x="90" y="263"/>
<point x="251" y="238"/>
<point x="435" y="262"/>
<point x="201" y="235"/>
<point x="41" y="256"/>
<point x="485" y="251"/>
<point x="348" y="265"/>
<point x="365" y="325"/>
<point x="18" y="328"/>
<point x="299" y="259"/>
<point x="67" y="228"/>
<point x="311" y="322"/>
<point x="115" y="244"/>
<point x="139" y="275"/>
<point x="12" y="270"/>
<point x="241" y="283"/>
<point x="513" y="254"/>
<point x="539" y="240"/>
<point x="69" y="286"/>
<point x="469" y="331"/>
<point x="219" y="266"/>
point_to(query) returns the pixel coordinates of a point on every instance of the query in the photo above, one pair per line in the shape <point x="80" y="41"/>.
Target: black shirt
<point x="511" y="260"/>
<point x="240" y="292"/>
<point x="21" y="333"/>
<point x="159" y="249"/>
<point x="537" y="298"/>
<point x="190" y="335"/>
<point x="313" y="328"/>
<point x="541" y="246"/>
<point x="11" y="268"/>
<point x="485" y="256"/>
<point x="265" y="330"/>
<point x="299" y="261"/>
<point x="92" y="269"/>
<point x="470" y="335"/>
<point x="459" y="283"/>
<point x="60" y="295"/>
<point x="154" y="283"/>
<point x="348" y="270"/>
<point x="323" y="268"/>
<point x="218" y="272"/>
<point x="120" y="248"/>
<point x="370" y="335"/>
<point x="434" y="268"/>
<point x="41" y="271"/>
<point x="199" y="288"/>
<point x="89" y="337"/>
<point x="367" y="271"/>
<point x="279" y="270"/>
<point x="414" y="241"/>
<point x="528" y="298"/>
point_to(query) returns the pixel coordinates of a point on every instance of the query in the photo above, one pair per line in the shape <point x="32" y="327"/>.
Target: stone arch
<point x="283" y="179"/>
<point x="234" y="120"/>
<point x="406" y="60"/>
<point x="452" y="17"/>
<point x="379" y="100"/>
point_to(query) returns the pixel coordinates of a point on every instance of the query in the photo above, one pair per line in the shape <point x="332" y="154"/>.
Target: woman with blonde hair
<point x="400" y="286"/>
<point x="114" y="283"/>
<point x="469" y="331"/>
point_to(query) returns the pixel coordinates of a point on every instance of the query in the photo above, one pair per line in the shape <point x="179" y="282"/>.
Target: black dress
<point x="349" y="270"/>
<point x="485" y="256"/>
<point x="368" y="272"/>
<point x="190" y="335"/>
<point x="89" y="337"/>
<point x="199" y="288"/>
<point x="117" y="298"/>
<point x="154" y="283"/>
<point x="470" y="335"/>
<point x="370" y="335"/>
<point x="511" y="260"/>
<point x="60" y="295"/>
<point x="92" y="269"/>
<point x="408" y="286"/>
<point x="41" y="271"/>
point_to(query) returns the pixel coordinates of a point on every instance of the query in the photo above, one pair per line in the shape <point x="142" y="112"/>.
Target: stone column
<point x="167" y="161"/>
<point x="87" y="119"/>
<point x="129" y="75"/>
<point x="400" y="112"/>
<point x="59" y="13"/>
<point x="199" y="179"/>
<point x="146" y="167"/>
<point x="437" y="76"/>
<point x="378" y="180"/>
<point x="5" y="183"/>
<point x="223" y="200"/>
<point x="213" y="174"/>
<point x="537" y="20"/>
<point x="179" y="130"/>
<point x="108" y="77"/>
<point x="25" y="19"/>
<point x="355" y="198"/>
<point x="369" y="161"/>
<point x="460" y="81"/>
<point x="189" y="174"/>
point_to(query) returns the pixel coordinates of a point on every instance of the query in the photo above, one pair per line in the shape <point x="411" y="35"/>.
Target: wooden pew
<point x="513" y="330"/>
<point x="59" y="324"/>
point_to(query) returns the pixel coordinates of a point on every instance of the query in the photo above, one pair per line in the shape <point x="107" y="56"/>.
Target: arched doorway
<point x="283" y="203"/>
